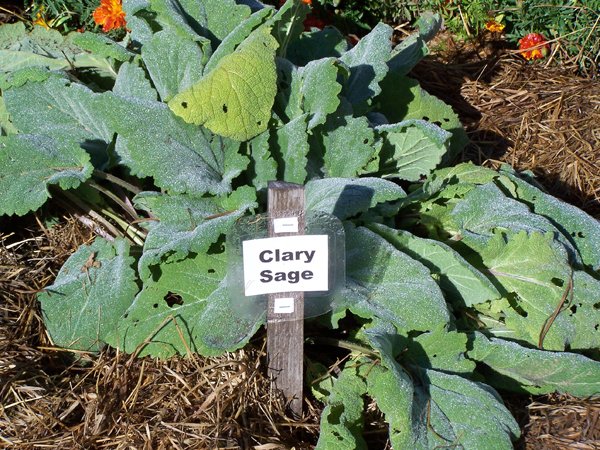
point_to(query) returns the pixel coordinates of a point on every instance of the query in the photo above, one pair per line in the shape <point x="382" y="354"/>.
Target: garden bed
<point x="536" y="118"/>
<point x="539" y="117"/>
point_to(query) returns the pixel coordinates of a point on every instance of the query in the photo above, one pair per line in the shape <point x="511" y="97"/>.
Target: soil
<point x="536" y="117"/>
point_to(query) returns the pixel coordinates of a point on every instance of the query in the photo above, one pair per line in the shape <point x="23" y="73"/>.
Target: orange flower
<point x="307" y="2"/>
<point x="40" y="19"/>
<point x="110" y="15"/>
<point x="493" y="26"/>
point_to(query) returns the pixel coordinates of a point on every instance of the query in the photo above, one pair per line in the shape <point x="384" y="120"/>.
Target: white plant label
<point x="286" y="264"/>
<point x="285" y="225"/>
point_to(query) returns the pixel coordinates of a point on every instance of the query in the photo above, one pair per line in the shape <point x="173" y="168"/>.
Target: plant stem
<point x="127" y="208"/>
<point x="118" y="181"/>
<point x="346" y="345"/>
<point x="92" y="213"/>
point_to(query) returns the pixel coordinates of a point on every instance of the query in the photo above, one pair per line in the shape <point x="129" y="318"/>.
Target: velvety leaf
<point x="132" y="82"/>
<point x="311" y="89"/>
<point x="173" y="62"/>
<point x="412" y="149"/>
<point x="30" y="163"/>
<point x="287" y="24"/>
<point x="348" y="144"/>
<point x="386" y="283"/>
<point x="292" y="145"/>
<point x="535" y="371"/>
<point x="463" y="413"/>
<point x="462" y="283"/>
<point x="65" y="110"/>
<point x="101" y="46"/>
<point x="264" y="166"/>
<point x="368" y="65"/>
<point x="237" y="36"/>
<point x="93" y="288"/>
<point x="582" y="230"/>
<point x="180" y="157"/>
<point x="485" y="210"/>
<point x="221" y="17"/>
<point x="315" y="45"/>
<point x="342" y="418"/>
<point x="6" y="126"/>
<point x="347" y="197"/>
<point x="184" y="308"/>
<point x="413" y="48"/>
<point x="229" y="104"/>
<point x="392" y="388"/>
<point x="534" y="272"/>
<point x="404" y="99"/>
<point x="186" y="224"/>
<point x="440" y="349"/>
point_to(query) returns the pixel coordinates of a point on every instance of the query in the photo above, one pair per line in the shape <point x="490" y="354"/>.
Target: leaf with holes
<point x="184" y="307"/>
<point x="235" y="99"/>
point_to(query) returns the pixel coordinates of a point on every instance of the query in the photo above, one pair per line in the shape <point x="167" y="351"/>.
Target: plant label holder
<point x="285" y="310"/>
<point x="289" y="265"/>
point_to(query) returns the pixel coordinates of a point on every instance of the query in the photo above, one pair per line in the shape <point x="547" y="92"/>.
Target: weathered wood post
<point x="285" y="314"/>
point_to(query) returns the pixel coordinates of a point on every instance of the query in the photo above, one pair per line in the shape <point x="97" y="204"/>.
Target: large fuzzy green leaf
<point x="580" y="228"/>
<point x="186" y="224"/>
<point x="93" y="288"/>
<point x="185" y="307"/>
<point x="485" y="210"/>
<point x="132" y="82"/>
<point x="368" y="65"/>
<point x="182" y="158"/>
<point x="310" y="89"/>
<point x="264" y="166"/>
<point x="385" y="283"/>
<point x="221" y="17"/>
<point x="342" y="418"/>
<point x="316" y="45"/>
<point x="411" y="149"/>
<point x="234" y="99"/>
<point x="6" y="125"/>
<point x="534" y="273"/>
<point x="30" y="163"/>
<point x="463" y="413"/>
<point x="42" y="47"/>
<point x="535" y="371"/>
<point x="237" y="36"/>
<point x="404" y="99"/>
<point x="428" y="408"/>
<point x="348" y="145"/>
<point x="291" y="142"/>
<point x="64" y="110"/>
<point x="346" y="197"/>
<point x="174" y="63"/>
<point x="413" y="48"/>
<point x="463" y="283"/>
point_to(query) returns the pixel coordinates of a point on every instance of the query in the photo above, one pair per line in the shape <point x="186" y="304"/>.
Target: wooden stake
<point x="285" y="332"/>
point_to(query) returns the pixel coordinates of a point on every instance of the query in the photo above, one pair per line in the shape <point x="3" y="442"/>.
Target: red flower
<point x="534" y="46"/>
<point x="110" y="15"/>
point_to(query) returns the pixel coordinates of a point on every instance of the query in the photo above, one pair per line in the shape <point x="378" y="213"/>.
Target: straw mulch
<point x="53" y="399"/>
